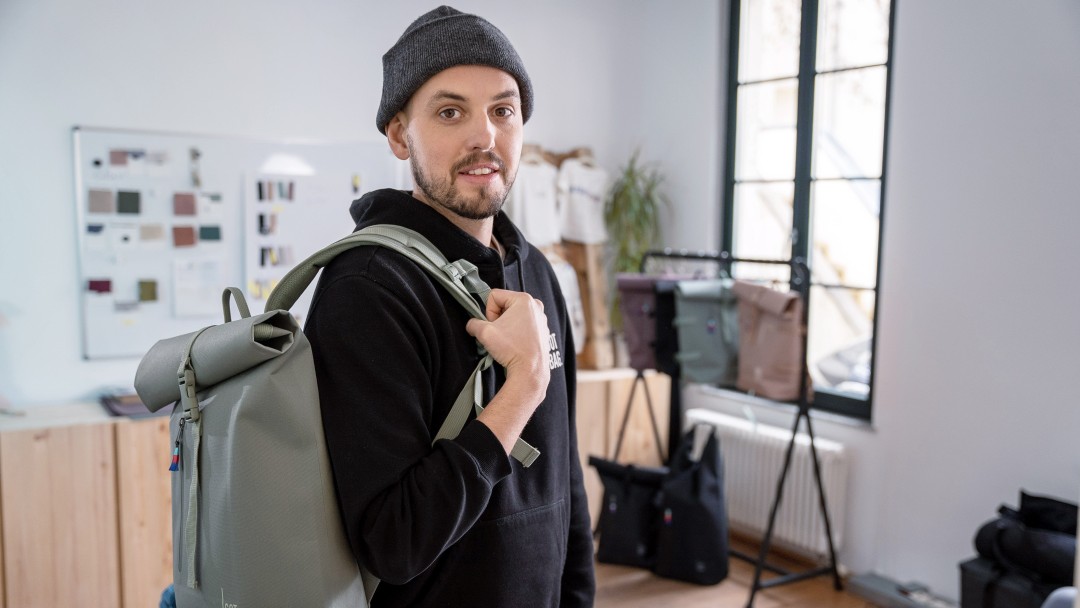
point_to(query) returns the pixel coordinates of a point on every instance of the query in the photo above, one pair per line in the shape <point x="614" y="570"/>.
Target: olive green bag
<point x="255" y="516"/>
<point x="707" y="320"/>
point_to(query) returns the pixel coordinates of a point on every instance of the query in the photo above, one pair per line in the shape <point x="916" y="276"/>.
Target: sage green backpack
<point x="707" y="321"/>
<point x="255" y="517"/>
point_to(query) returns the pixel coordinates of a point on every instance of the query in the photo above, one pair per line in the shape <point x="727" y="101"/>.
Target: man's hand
<point x="516" y="334"/>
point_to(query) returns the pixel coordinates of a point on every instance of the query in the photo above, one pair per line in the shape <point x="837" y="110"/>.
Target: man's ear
<point x="395" y="134"/>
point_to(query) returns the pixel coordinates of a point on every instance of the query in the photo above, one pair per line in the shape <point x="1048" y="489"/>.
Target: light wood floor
<point x="622" y="587"/>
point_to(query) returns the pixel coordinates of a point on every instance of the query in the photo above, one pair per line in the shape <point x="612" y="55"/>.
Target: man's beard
<point x="486" y="203"/>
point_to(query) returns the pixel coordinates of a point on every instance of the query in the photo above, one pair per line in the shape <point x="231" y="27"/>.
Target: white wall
<point x="272" y="69"/>
<point x="979" y="342"/>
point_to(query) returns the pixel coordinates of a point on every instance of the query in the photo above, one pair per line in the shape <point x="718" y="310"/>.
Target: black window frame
<point x="822" y="400"/>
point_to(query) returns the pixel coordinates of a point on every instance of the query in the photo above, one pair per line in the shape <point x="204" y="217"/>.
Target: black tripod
<point x="800" y="281"/>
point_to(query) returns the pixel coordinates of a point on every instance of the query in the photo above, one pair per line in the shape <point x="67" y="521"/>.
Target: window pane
<point x="769" y="39"/>
<point x="762" y="229"/>
<point x="849" y="123"/>
<point x="765" y="144"/>
<point x="839" y="341"/>
<point x="852" y="34"/>
<point x="844" y="230"/>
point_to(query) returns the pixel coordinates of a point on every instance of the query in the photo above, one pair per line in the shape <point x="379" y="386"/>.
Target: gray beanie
<point x="441" y="39"/>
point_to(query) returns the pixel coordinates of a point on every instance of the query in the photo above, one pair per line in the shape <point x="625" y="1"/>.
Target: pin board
<point x="167" y="221"/>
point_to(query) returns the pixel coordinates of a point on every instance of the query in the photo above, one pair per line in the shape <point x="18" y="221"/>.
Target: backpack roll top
<point x="219" y="353"/>
<point x="771" y="361"/>
<point x="637" y="302"/>
<point x="707" y="322"/>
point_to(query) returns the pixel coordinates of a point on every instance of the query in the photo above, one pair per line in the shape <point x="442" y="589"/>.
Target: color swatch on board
<point x="102" y="201"/>
<point x="148" y="291"/>
<point x="151" y="232"/>
<point x="128" y="202"/>
<point x="183" y="203"/>
<point x="99" y="285"/>
<point x="183" y="236"/>
<point x="209" y="233"/>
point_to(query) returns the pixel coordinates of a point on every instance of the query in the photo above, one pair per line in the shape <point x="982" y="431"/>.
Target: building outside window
<point x="807" y="130"/>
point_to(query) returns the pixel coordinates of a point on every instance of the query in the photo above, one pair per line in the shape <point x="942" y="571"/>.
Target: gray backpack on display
<point x="707" y="320"/>
<point x="254" y="512"/>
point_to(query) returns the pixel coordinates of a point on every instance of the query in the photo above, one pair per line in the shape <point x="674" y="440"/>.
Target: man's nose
<point x="481" y="133"/>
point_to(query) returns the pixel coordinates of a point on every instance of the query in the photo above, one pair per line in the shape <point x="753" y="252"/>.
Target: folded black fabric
<point x="1047" y="513"/>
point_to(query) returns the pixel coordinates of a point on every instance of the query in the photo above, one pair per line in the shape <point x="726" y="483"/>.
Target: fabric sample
<point x="148" y="291"/>
<point x="209" y="233"/>
<point x="99" y="285"/>
<point x="128" y="202"/>
<point x="118" y="158"/>
<point x="183" y="236"/>
<point x="102" y="201"/>
<point x="183" y="203"/>
<point x="151" y="232"/>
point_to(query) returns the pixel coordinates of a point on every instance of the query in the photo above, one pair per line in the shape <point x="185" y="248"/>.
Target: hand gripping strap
<point x="470" y="398"/>
<point x="461" y="278"/>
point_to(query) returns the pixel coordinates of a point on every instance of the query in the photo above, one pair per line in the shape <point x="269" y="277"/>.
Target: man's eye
<point x="504" y="112"/>
<point x="450" y="113"/>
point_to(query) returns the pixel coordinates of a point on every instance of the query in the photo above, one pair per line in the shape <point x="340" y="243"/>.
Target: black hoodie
<point x="457" y="523"/>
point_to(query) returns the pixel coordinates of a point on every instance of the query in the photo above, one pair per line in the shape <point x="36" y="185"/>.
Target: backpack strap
<point x="460" y="278"/>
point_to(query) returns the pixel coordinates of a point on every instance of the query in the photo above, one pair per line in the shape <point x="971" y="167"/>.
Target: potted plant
<point x="632" y="215"/>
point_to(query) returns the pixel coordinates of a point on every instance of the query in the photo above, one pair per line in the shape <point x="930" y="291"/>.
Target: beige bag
<point x="770" y="341"/>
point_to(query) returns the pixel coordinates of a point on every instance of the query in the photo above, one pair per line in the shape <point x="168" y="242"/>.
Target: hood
<point x="389" y="206"/>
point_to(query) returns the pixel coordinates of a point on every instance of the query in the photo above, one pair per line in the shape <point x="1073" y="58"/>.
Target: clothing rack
<point x="800" y="282"/>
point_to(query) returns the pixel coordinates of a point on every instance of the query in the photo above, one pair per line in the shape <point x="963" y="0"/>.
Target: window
<point x="806" y="169"/>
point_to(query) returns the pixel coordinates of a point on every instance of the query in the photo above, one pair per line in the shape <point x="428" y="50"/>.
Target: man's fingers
<point x="474" y="327"/>
<point x="497" y="303"/>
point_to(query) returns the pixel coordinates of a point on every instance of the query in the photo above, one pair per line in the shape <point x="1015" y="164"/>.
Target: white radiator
<point x="753" y="458"/>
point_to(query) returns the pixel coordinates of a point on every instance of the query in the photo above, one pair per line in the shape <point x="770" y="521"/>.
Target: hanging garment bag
<point x="770" y="341"/>
<point x="692" y="543"/>
<point x="707" y="321"/>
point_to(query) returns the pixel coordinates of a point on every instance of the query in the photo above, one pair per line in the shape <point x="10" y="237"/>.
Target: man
<point x="457" y="523"/>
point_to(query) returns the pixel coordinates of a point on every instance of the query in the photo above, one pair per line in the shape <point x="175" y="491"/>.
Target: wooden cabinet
<point x="84" y="509"/>
<point x="145" y="509"/>
<point x="602" y="399"/>
<point x="59" y="504"/>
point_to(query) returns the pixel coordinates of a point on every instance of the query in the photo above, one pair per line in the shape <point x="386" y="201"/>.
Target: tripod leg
<point x="626" y="415"/>
<point x="652" y="417"/>
<point x="767" y="540"/>
<point x="837" y="584"/>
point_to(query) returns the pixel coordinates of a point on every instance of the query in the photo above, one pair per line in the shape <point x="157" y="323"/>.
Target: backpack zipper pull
<point x="175" y="466"/>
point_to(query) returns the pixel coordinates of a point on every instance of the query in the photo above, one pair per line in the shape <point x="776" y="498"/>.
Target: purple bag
<point x="637" y="300"/>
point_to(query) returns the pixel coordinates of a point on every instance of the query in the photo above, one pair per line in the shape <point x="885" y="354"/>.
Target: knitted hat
<point x="441" y="39"/>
